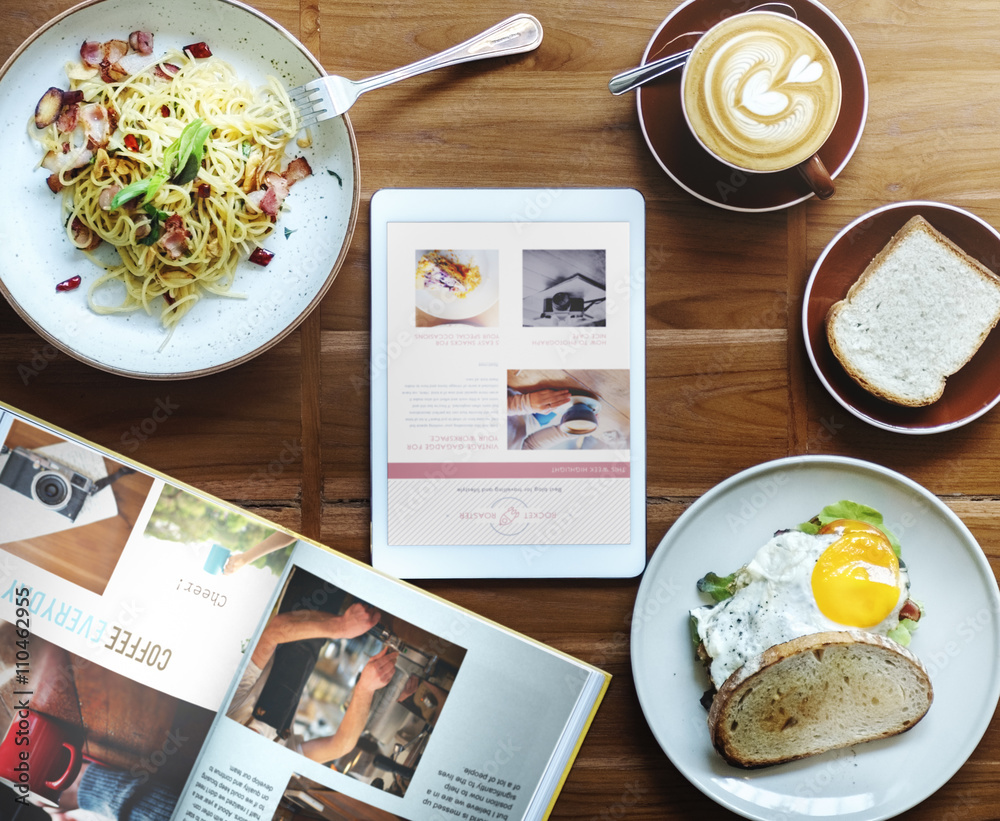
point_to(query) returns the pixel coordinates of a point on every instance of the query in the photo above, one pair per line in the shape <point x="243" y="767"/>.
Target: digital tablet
<point x="508" y="430"/>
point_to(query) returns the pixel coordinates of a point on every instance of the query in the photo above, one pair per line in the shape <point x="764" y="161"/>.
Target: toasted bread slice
<point x="919" y="311"/>
<point x="817" y="693"/>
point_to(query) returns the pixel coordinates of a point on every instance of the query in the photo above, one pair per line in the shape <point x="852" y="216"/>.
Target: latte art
<point x="761" y="91"/>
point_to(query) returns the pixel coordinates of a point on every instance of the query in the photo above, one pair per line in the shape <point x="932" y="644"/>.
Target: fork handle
<point x="515" y="35"/>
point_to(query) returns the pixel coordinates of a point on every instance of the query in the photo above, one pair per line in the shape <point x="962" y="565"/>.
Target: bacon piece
<point x="112" y="72"/>
<point x="96" y="124"/>
<point x="298" y="169"/>
<point x="69" y="111"/>
<point x="66" y="123"/>
<point x="92" y="53"/>
<point x="59" y="161"/>
<point x="108" y="194"/>
<point x="141" y="41"/>
<point x="54" y="183"/>
<point x="114" y="50"/>
<point x="133" y="62"/>
<point x="910" y="610"/>
<point x="165" y="71"/>
<point x="175" y="235"/>
<point x="83" y="237"/>
<point x="277" y="190"/>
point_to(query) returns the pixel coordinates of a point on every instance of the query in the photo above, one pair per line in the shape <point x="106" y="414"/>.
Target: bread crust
<point x="914" y="225"/>
<point x="761" y="671"/>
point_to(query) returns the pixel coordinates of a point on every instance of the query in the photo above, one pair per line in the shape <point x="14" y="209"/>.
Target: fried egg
<point x="847" y="576"/>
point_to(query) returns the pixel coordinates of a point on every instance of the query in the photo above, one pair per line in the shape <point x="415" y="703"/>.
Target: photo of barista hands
<point x="346" y="683"/>
<point x="66" y="508"/>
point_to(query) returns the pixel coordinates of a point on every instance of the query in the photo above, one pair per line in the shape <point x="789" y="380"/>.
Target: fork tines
<point x="311" y="101"/>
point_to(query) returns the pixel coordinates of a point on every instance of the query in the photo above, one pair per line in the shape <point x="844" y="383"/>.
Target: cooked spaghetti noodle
<point x="189" y="236"/>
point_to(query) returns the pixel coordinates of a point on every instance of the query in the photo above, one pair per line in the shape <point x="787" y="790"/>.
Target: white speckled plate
<point x="310" y="242"/>
<point x="956" y="640"/>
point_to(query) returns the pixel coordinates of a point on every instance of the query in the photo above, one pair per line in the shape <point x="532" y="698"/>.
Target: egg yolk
<point x="856" y="579"/>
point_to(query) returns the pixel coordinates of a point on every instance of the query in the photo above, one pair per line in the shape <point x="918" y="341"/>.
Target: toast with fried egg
<point x="805" y="644"/>
<point x="816" y="693"/>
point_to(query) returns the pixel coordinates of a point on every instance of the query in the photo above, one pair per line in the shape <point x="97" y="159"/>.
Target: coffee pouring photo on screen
<point x="346" y="684"/>
<point x="568" y="410"/>
<point x="457" y="287"/>
<point x="564" y="289"/>
<point x="64" y="507"/>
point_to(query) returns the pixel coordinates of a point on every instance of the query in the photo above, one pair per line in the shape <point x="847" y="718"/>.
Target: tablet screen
<point x="509" y="394"/>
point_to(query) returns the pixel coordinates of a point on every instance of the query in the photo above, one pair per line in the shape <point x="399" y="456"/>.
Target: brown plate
<point x="700" y="174"/>
<point x="970" y="392"/>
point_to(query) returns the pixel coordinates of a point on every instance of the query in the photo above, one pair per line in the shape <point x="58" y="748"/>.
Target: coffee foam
<point x="761" y="91"/>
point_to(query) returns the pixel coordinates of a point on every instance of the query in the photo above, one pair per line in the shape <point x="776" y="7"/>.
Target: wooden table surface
<point x="729" y="386"/>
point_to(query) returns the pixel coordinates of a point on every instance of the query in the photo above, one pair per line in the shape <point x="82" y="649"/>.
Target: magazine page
<point x="126" y="603"/>
<point x="364" y="697"/>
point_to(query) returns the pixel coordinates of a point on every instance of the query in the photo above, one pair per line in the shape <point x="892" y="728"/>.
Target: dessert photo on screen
<point x="345" y="683"/>
<point x="457" y="287"/>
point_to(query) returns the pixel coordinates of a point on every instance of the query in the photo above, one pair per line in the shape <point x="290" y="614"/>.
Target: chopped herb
<point x="340" y="181"/>
<point x="156" y="216"/>
<point x="289" y="232"/>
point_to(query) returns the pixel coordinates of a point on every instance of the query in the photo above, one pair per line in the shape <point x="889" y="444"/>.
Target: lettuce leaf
<point x="718" y="587"/>
<point x="846" y="509"/>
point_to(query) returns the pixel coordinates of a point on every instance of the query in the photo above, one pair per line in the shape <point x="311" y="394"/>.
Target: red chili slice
<point x="198" y="50"/>
<point x="70" y="284"/>
<point x="131" y="142"/>
<point x="164" y="111"/>
<point x="261" y="256"/>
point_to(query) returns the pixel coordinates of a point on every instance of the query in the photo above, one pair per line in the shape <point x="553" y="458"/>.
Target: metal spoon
<point x="635" y="77"/>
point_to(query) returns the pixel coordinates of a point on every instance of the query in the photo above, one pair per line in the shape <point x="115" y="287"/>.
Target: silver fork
<point x="330" y="96"/>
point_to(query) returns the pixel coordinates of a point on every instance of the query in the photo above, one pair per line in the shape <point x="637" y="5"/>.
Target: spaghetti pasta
<point x="211" y="205"/>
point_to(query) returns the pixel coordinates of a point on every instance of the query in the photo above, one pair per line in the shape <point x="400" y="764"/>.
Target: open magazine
<point x="166" y="654"/>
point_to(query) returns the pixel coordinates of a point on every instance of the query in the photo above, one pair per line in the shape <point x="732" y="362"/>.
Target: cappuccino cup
<point x="761" y="92"/>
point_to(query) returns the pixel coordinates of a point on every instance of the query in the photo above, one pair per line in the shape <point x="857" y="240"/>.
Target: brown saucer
<point x="690" y="166"/>
<point x="970" y="392"/>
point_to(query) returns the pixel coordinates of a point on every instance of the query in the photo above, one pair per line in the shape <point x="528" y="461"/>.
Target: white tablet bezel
<point x="491" y="206"/>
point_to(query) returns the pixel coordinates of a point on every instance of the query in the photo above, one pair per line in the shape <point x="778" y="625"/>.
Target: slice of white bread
<point x="817" y="693"/>
<point x="916" y="315"/>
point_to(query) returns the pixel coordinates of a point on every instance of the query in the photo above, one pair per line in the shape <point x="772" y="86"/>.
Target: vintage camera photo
<point x="51" y="484"/>
<point x="64" y="506"/>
